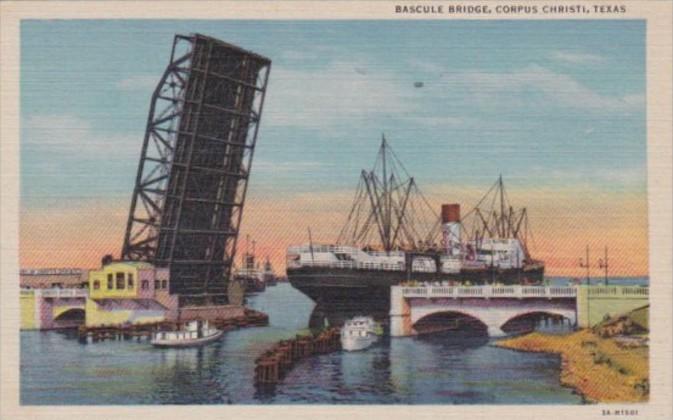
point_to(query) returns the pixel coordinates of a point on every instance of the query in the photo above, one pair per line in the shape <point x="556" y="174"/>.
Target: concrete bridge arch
<point x="565" y="315"/>
<point x="69" y="318"/>
<point x="63" y="309"/>
<point x="494" y="313"/>
<point x="441" y="320"/>
<point x="70" y="314"/>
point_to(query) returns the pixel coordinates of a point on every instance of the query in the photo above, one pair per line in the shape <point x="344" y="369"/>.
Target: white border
<point x="658" y="15"/>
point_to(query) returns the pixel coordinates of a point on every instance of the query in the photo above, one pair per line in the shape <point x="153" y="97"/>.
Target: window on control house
<point x="120" y="281"/>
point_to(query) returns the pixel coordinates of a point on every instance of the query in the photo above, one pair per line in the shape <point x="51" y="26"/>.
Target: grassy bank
<point x="601" y="369"/>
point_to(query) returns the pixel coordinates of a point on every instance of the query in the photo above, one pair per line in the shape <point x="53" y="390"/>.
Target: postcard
<point x="342" y="209"/>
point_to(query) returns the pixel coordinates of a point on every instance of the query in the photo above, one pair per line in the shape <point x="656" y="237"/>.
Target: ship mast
<point x="494" y="218"/>
<point x="389" y="212"/>
<point x="386" y="197"/>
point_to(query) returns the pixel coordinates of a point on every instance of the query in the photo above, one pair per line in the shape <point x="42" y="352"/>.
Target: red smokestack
<point x="450" y="213"/>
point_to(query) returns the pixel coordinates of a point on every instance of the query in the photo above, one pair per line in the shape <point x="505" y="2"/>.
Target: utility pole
<point x="603" y="263"/>
<point x="587" y="265"/>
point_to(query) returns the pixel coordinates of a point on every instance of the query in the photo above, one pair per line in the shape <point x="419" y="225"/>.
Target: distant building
<point x="49" y="278"/>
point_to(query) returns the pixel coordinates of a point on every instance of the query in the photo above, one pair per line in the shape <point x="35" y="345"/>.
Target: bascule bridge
<point x="195" y="164"/>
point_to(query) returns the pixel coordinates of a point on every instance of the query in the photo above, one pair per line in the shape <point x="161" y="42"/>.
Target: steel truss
<point x="195" y="163"/>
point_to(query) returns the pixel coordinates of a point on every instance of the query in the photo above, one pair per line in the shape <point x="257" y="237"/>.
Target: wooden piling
<point x="272" y="366"/>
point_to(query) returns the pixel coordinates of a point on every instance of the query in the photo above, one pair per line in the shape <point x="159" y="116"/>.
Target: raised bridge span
<point x="494" y="306"/>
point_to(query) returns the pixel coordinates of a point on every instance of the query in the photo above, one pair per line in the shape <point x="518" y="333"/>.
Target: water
<point x="57" y="369"/>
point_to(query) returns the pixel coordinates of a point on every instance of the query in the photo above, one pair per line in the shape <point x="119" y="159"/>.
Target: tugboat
<point x="359" y="333"/>
<point x="192" y="333"/>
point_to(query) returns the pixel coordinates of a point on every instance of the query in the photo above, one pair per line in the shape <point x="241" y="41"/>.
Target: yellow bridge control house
<point x="129" y="292"/>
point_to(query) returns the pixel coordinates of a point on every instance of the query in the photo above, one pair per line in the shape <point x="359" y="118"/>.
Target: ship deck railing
<point x="362" y="265"/>
<point x="340" y="249"/>
<point x="356" y="265"/>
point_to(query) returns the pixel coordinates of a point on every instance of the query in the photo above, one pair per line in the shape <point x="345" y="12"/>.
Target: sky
<point x="556" y="107"/>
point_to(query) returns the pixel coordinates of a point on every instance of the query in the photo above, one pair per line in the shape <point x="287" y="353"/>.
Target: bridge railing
<point x="617" y="291"/>
<point x="56" y="293"/>
<point x="489" y="291"/>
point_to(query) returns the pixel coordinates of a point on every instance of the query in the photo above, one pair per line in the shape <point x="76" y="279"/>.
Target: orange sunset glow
<point x="563" y="222"/>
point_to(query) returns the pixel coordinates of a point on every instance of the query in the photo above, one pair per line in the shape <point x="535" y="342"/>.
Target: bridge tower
<point x="194" y="166"/>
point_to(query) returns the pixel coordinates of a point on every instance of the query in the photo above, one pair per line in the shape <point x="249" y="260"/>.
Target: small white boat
<point x="359" y="333"/>
<point x="192" y="333"/>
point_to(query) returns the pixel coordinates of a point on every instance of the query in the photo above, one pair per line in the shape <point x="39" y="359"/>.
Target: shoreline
<point x="599" y="369"/>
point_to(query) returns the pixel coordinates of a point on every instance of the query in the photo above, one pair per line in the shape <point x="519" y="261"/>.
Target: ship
<point x="359" y="333"/>
<point x="268" y="275"/>
<point x="249" y="274"/>
<point x="190" y="334"/>
<point x="394" y="236"/>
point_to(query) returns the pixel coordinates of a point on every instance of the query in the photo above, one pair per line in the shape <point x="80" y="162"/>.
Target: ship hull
<point x="357" y="343"/>
<point x="368" y="291"/>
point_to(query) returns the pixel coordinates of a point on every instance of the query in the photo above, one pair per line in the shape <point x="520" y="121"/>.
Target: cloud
<point x="623" y="177"/>
<point x="569" y="57"/>
<point x="343" y="92"/>
<point x="440" y="121"/>
<point x="556" y="88"/>
<point x="275" y="167"/>
<point x="138" y="82"/>
<point x="73" y="136"/>
<point x="428" y="67"/>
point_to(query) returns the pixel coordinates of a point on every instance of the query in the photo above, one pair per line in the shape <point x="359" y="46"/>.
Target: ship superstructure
<point x="268" y="274"/>
<point x="249" y="273"/>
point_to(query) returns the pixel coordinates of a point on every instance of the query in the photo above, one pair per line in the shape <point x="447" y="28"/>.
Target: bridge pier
<point x="400" y="314"/>
<point x="495" y="332"/>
